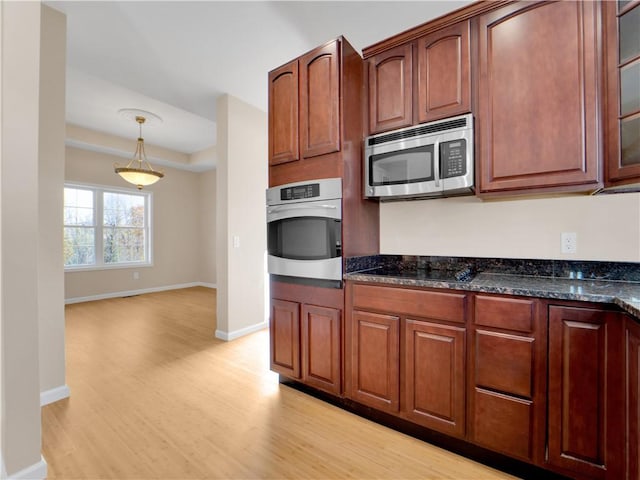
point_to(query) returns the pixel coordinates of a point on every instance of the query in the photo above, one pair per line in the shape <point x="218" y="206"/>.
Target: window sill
<point x="120" y="266"/>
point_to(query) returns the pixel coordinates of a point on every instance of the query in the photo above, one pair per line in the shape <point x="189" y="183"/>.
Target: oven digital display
<point x="301" y="191"/>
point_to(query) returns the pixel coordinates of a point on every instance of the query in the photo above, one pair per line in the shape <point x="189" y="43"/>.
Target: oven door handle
<point x="327" y="210"/>
<point x="288" y="208"/>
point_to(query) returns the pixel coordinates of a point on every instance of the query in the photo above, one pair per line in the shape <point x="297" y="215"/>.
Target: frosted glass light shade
<point x="139" y="176"/>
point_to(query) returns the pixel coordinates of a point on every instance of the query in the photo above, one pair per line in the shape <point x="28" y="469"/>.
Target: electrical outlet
<point x="568" y="242"/>
<point x="136" y="275"/>
<point x="236" y="241"/>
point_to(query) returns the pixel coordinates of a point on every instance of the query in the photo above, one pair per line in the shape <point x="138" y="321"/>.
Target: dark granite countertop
<point x="599" y="282"/>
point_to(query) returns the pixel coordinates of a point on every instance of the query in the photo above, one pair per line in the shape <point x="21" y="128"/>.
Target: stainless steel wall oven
<point x="304" y="232"/>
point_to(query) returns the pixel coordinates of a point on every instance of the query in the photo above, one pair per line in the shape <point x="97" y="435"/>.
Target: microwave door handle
<point x="436" y="163"/>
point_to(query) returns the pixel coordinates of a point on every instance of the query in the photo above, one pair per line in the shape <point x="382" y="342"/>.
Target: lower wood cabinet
<point x="284" y="326"/>
<point x="585" y="391"/>
<point x="306" y="343"/>
<point x="321" y="359"/>
<point x="375" y="360"/>
<point x="632" y="400"/>
<point x="507" y="370"/>
<point x="434" y="372"/>
<point x="551" y="383"/>
<point x="408" y="353"/>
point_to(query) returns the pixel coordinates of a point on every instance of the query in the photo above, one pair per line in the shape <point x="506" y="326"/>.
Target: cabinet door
<point x="434" y="376"/>
<point x="284" y="330"/>
<point x="319" y="101"/>
<point x="390" y="89"/>
<point x="283" y="114"/>
<point x="444" y="73"/>
<point x="321" y="328"/>
<point x="538" y="97"/>
<point x="375" y="361"/>
<point x="632" y="414"/>
<point x="581" y="342"/>
<point x="622" y="51"/>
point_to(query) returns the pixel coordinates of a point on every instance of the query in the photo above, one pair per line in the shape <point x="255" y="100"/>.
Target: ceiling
<point x="174" y="58"/>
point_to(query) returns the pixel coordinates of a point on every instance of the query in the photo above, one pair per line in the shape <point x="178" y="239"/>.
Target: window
<point x="106" y="227"/>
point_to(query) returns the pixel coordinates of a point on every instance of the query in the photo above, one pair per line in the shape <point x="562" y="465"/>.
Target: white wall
<point x="177" y="213"/>
<point x="207" y="189"/>
<point x="51" y="179"/>
<point x="241" y="213"/>
<point x="19" y="104"/>
<point x="607" y="227"/>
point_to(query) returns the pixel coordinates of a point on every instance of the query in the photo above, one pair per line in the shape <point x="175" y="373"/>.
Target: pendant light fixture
<point x="139" y="171"/>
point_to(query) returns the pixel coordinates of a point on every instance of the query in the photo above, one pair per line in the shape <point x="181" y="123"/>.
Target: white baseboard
<point x="54" y="394"/>
<point x="142" y="291"/>
<point x="228" y="336"/>
<point x="37" y="471"/>
<point x="3" y="472"/>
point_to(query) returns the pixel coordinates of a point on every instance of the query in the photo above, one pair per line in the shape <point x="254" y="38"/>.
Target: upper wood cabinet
<point x="622" y="57"/>
<point x="319" y="101"/>
<point x="315" y="113"/>
<point x="390" y="89"/>
<point x="304" y="106"/>
<point x="537" y="125"/>
<point x="283" y="114"/>
<point x="427" y="79"/>
<point x="444" y="73"/>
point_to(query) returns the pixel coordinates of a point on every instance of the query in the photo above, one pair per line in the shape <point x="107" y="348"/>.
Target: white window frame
<point x="98" y="199"/>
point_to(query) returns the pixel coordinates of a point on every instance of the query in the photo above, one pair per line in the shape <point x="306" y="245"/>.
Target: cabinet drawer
<point x="504" y="362"/>
<point x="503" y="423"/>
<point x="406" y="301"/>
<point x="507" y="313"/>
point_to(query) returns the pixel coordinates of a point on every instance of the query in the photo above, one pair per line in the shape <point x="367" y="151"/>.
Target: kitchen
<point x="421" y="338"/>
<point x="498" y="229"/>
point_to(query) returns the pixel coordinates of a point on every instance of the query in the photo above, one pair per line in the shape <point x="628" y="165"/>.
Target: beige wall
<point x="607" y="227"/>
<point x="177" y="214"/>
<point x="207" y="186"/>
<point x="51" y="179"/>
<point x="241" y="180"/>
<point x="20" y="389"/>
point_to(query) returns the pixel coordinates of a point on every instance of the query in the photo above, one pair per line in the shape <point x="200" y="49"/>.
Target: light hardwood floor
<point x="155" y="395"/>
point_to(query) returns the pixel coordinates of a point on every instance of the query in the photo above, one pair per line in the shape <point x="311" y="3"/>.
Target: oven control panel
<point x="310" y="190"/>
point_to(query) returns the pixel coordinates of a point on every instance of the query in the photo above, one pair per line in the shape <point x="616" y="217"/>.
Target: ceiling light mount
<point x="139" y="171"/>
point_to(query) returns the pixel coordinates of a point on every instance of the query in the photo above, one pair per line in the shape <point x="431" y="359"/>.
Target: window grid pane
<point x="122" y="237"/>
<point x="79" y="246"/>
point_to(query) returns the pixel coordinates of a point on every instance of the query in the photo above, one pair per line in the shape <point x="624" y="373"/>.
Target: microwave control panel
<point x="299" y="192"/>
<point x="453" y="157"/>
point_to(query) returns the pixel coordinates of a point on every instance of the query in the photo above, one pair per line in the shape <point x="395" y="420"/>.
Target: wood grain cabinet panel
<point x="632" y="403"/>
<point x="284" y="325"/>
<point x="391" y="89"/>
<point x="320" y="101"/>
<point x="435" y="376"/>
<point x="283" y="114"/>
<point x="445" y="306"/>
<point x="376" y="360"/>
<point x="580" y="340"/>
<point x="538" y="97"/>
<point x="503" y="423"/>
<point x="504" y="312"/>
<point x="504" y="363"/>
<point x="321" y="356"/>
<point x="444" y="73"/>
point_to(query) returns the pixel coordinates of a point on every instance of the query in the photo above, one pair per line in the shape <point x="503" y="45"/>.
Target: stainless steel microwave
<point x="433" y="159"/>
